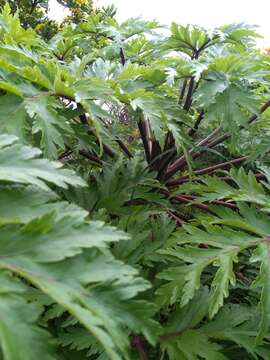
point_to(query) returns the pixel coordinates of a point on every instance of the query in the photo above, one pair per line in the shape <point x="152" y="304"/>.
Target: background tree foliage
<point x="134" y="191"/>
<point x="33" y="13"/>
<point x="79" y="9"/>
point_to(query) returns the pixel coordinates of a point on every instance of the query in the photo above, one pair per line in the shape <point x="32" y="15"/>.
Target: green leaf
<point x="237" y="323"/>
<point x="20" y="164"/>
<point x="210" y="88"/>
<point x="193" y="345"/>
<point x="48" y="122"/>
<point x="65" y="283"/>
<point x="92" y="89"/>
<point x="13" y="117"/>
<point x="148" y="105"/>
<point x="230" y="109"/>
<point x="18" y="329"/>
<point x="223" y="278"/>
<point x="13" y="89"/>
<point x="28" y="203"/>
<point x="56" y="239"/>
<point x="263" y="281"/>
<point x="189" y="39"/>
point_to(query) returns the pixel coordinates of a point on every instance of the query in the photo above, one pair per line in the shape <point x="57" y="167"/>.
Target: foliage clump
<point x="134" y="191"/>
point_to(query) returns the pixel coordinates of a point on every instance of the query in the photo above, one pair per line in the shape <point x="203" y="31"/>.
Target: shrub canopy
<point x="134" y="192"/>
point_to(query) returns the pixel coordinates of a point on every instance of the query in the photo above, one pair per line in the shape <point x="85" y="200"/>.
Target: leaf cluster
<point x="134" y="191"/>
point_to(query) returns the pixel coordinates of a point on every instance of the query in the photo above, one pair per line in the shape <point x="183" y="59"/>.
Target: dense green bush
<point x="134" y="192"/>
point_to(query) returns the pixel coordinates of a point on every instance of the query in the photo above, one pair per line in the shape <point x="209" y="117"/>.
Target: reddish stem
<point x="181" y="162"/>
<point x="145" y="132"/>
<point x="228" y="178"/>
<point x="124" y="148"/>
<point x="90" y="157"/>
<point x="188" y="101"/>
<point x="207" y="170"/>
<point x="215" y="202"/>
<point x="176" y="218"/>
<point x="122" y="57"/>
<point x="183" y="91"/>
<point x="197" y="123"/>
<point x="138" y="343"/>
<point x="184" y="199"/>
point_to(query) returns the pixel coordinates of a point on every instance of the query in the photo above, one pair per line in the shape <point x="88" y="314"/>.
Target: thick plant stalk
<point x="124" y="148"/>
<point x="65" y="154"/>
<point x="167" y="156"/>
<point x="192" y="84"/>
<point x="145" y="132"/>
<point x="33" y="7"/>
<point x="137" y="342"/>
<point x="155" y="153"/>
<point x="176" y="218"/>
<point x="183" y="91"/>
<point x="251" y="120"/>
<point x="188" y="199"/>
<point x="122" y="57"/>
<point x="180" y="163"/>
<point x="215" y="202"/>
<point x="165" y="162"/>
<point x="90" y="157"/>
<point x="207" y="170"/>
<point x="190" y="92"/>
<point x="228" y="178"/>
<point x="185" y="200"/>
<point x="83" y="153"/>
<point x="121" y="144"/>
<point x="206" y="140"/>
<point x="187" y="105"/>
<point x="197" y="123"/>
<point x="107" y="149"/>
